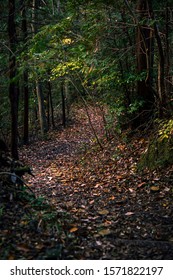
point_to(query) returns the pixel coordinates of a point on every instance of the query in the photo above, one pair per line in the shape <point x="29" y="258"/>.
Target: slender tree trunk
<point x="161" y="77"/>
<point x="51" y="104"/>
<point x="144" y="42"/>
<point x="13" y="87"/>
<point x="48" y="108"/>
<point x="41" y="108"/>
<point x="39" y="91"/>
<point x="25" y="78"/>
<point x="26" y="109"/>
<point x="161" y="66"/>
<point x="168" y="76"/>
<point x="67" y="96"/>
<point x="63" y="105"/>
<point x="58" y="4"/>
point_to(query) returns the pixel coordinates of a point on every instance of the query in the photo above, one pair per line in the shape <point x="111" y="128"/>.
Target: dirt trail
<point x="61" y="150"/>
<point x="111" y="211"/>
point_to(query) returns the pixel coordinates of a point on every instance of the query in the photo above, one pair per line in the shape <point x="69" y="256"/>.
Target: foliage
<point x="159" y="153"/>
<point x="83" y="49"/>
<point x="91" y="44"/>
<point x="26" y="215"/>
<point x="165" y="129"/>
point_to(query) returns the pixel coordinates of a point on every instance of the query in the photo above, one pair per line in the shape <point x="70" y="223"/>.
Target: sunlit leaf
<point x="74" y="229"/>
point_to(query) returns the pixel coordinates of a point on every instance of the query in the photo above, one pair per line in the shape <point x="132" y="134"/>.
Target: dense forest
<point x="86" y="129"/>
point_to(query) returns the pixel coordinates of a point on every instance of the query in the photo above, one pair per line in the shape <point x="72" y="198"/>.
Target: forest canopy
<point x="55" y="53"/>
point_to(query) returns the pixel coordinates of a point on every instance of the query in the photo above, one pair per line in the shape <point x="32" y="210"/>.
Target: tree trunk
<point x="13" y="87"/>
<point x="39" y="91"/>
<point x="41" y="108"/>
<point x="51" y="104"/>
<point x="144" y="42"/>
<point x="25" y="78"/>
<point x="161" y="75"/>
<point x="48" y="106"/>
<point x="168" y="60"/>
<point x="63" y="105"/>
<point x="67" y="96"/>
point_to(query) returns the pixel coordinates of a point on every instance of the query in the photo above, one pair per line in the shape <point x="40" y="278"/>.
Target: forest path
<point x="53" y="158"/>
<point x="111" y="211"/>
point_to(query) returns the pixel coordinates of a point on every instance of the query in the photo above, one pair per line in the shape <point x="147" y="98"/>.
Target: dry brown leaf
<point x="73" y="229"/>
<point x="103" y="212"/>
<point x="129" y="213"/>
<point x="107" y="223"/>
<point x="155" y="188"/>
<point x="39" y="246"/>
<point x="99" y="243"/>
<point x="141" y="184"/>
<point x="112" y="197"/>
<point x="11" y="257"/>
<point x="97" y="185"/>
<point x="104" y="232"/>
<point x="91" y="202"/>
<point x="23" y="247"/>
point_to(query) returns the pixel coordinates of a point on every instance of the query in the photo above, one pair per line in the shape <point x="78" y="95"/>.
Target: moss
<point x="159" y="154"/>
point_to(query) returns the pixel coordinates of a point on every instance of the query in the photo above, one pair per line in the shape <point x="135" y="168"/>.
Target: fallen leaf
<point x="97" y="185"/>
<point x="39" y="246"/>
<point x="23" y="247"/>
<point x="112" y="197"/>
<point x="119" y="176"/>
<point x="141" y="184"/>
<point x="99" y="243"/>
<point x="91" y="202"/>
<point x="129" y="213"/>
<point x="74" y="229"/>
<point x="104" y="232"/>
<point x="11" y="257"/>
<point x="155" y="188"/>
<point x="103" y="212"/>
<point x="107" y="223"/>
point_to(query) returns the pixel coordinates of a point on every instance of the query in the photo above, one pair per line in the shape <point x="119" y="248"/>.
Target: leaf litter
<point x="102" y="207"/>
